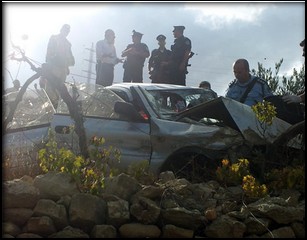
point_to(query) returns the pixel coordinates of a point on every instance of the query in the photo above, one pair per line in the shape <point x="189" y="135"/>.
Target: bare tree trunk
<point x="72" y="105"/>
<point x="76" y="114"/>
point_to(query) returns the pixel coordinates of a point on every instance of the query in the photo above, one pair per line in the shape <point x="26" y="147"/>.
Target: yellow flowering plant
<point x="232" y="174"/>
<point x="252" y="188"/>
<point x="89" y="173"/>
<point x="265" y="113"/>
<point x="238" y="173"/>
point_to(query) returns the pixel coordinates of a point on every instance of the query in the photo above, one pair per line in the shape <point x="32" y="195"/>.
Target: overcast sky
<point x="220" y="33"/>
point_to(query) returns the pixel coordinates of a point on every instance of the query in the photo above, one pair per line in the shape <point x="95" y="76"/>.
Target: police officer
<point x="158" y="70"/>
<point x="246" y="88"/>
<point x="207" y="85"/>
<point x="135" y="54"/>
<point x="181" y="52"/>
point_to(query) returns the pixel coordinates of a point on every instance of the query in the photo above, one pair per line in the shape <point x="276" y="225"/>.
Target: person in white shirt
<point x="106" y="59"/>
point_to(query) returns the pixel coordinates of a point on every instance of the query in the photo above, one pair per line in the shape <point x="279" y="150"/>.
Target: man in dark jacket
<point x="159" y="73"/>
<point x="135" y="54"/>
<point x="181" y="52"/>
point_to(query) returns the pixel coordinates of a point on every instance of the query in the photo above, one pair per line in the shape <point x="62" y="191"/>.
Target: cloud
<point x="216" y="16"/>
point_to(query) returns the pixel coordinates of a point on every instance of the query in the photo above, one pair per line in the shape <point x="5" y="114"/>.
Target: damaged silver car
<point x="173" y="127"/>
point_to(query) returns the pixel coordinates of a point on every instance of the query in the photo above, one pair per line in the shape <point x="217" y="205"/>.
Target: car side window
<point x="98" y="103"/>
<point x="201" y="97"/>
<point x="121" y="94"/>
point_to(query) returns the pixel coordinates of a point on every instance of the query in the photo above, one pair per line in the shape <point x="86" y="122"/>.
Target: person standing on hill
<point x="59" y="54"/>
<point x="181" y="52"/>
<point x="106" y="59"/>
<point x="159" y="73"/>
<point x="135" y="54"/>
<point x="59" y="58"/>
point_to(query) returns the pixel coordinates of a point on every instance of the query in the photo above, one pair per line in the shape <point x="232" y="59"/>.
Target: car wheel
<point x="193" y="167"/>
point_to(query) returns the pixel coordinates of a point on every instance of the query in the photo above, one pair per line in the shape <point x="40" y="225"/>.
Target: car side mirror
<point x="128" y="111"/>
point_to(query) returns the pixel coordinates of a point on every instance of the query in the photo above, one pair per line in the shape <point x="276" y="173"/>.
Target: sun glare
<point x="30" y="25"/>
<point x="27" y="24"/>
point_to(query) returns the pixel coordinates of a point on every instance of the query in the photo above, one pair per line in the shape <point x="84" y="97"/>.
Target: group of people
<point x="164" y="66"/>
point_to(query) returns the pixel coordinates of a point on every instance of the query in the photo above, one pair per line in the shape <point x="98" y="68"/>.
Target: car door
<point x="25" y="131"/>
<point x="131" y="138"/>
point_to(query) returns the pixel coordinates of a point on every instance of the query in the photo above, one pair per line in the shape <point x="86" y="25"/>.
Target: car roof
<point x="156" y="87"/>
<point x="150" y="86"/>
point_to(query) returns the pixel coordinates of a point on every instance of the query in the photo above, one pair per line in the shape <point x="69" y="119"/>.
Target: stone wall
<point x="51" y="205"/>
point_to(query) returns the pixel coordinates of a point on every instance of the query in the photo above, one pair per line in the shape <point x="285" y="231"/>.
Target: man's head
<point x="241" y="70"/>
<point x="65" y="29"/>
<point x="302" y="44"/>
<point x="109" y="35"/>
<point x="178" y="31"/>
<point x="16" y="84"/>
<point x="205" y="85"/>
<point x="161" y="40"/>
<point x="136" y="36"/>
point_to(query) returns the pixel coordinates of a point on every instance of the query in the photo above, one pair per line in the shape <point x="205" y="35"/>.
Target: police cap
<point x="179" y="28"/>
<point x="161" y="37"/>
<point x="137" y="34"/>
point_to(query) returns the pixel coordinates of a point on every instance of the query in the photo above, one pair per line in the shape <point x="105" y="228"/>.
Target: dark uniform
<point x="134" y="63"/>
<point x="181" y="45"/>
<point x="159" y="73"/>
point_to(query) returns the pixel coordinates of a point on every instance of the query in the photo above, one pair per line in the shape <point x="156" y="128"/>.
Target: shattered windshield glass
<point x="168" y="103"/>
<point x="33" y="109"/>
<point x="94" y="100"/>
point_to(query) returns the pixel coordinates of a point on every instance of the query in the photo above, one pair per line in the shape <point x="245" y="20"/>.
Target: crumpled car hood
<point x="237" y="116"/>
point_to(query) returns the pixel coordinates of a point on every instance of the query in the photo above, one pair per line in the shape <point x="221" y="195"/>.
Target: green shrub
<point x="89" y="173"/>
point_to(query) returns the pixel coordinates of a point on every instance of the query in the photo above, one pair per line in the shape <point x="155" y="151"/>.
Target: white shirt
<point x="106" y="52"/>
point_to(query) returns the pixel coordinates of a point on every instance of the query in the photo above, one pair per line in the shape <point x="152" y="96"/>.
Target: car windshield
<point x="169" y="102"/>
